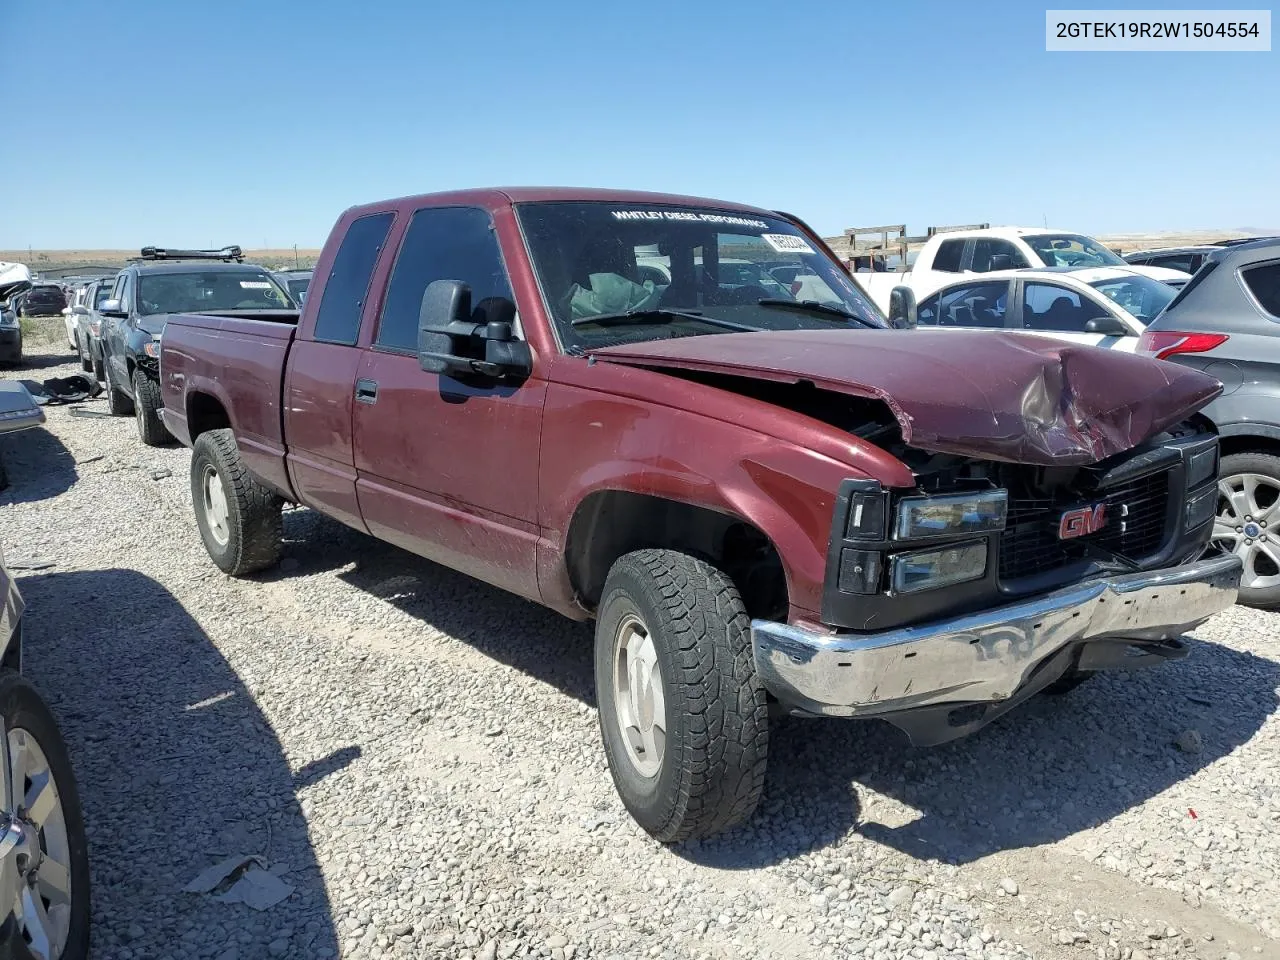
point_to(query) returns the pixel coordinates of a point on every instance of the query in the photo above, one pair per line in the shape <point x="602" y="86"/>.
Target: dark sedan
<point x="43" y="300"/>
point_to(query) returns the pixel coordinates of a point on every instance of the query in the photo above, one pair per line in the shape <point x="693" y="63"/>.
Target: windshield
<point x="671" y="267"/>
<point x="1072" y="250"/>
<point x="200" y="292"/>
<point x="1140" y="296"/>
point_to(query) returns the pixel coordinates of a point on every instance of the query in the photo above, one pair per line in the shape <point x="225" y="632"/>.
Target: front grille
<point x="1135" y="528"/>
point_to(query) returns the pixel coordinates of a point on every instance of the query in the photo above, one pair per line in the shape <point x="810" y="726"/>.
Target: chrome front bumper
<point x="987" y="656"/>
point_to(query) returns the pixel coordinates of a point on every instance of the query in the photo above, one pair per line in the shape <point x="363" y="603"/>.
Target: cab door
<point x="321" y="375"/>
<point x="448" y="468"/>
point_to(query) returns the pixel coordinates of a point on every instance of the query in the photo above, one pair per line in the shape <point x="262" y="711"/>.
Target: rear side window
<point x="972" y="305"/>
<point x="1264" y="283"/>
<point x="984" y="248"/>
<point x="444" y="243"/>
<point x="1186" y="262"/>
<point x="344" y="293"/>
<point x="949" y="255"/>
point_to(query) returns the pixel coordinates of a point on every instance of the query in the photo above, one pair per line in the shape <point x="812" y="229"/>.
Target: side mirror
<point x="902" y="308"/>
<point x="80" y="311"/>
<point x="66" y="311"/>
<point x="111" y="308"/>
<point x="451" y="341"/>
<point x="1001" y="261"/>
<point x="1108" y="326"/>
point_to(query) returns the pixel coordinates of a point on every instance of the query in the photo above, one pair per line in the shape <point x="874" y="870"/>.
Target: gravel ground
<point x="416" y="755"/>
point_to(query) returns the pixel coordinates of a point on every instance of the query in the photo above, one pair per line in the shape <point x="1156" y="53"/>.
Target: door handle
<point x="367" y="391"/>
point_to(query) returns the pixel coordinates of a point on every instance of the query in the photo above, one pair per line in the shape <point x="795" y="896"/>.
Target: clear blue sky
<point x="237" y="122"/>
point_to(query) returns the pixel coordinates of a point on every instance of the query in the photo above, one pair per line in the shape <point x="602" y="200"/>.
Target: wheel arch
<point x="611" y="522"/>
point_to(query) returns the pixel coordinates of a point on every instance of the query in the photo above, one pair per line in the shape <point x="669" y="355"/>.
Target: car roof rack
<point x="226" y="254"/>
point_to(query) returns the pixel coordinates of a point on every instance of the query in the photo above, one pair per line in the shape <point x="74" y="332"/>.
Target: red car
<point x="764" y="502"/>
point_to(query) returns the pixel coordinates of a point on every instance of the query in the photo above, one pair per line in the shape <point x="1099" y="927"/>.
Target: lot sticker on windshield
<point x="786" y="243"/>
<point x="255" y="284"/>
<point x="689" y="217"/>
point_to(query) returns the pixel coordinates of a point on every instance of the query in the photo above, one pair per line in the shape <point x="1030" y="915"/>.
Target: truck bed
<point x="230" y="369"/>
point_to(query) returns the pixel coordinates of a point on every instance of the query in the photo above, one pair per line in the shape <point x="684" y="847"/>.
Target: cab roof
<point x="493" y="197"/>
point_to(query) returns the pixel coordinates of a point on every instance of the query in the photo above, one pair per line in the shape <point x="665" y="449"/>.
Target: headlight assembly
<point x="954" y="515"/>
<point x="152" y="349"/>
<point x="930" y="569"/>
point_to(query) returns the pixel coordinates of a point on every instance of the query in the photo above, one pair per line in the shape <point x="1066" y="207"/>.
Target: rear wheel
<point x="1248" y="524"/>
<point x="44" y="878"/>
<point x="96" y="358"/>
<point x="683" y="714"/>
<point x="86" y="362"/>
<point x="239" y="518"/>
<point x="146" y="407"/>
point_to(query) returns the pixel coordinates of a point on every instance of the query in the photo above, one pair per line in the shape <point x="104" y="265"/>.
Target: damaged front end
<point x="1061" y="497"/>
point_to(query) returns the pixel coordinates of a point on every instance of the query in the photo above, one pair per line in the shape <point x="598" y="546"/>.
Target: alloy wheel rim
<point x="37" y="849"/>
<point x="215" y="505"/>
<point x="1246" y="525"/>
<point x="638" y="699"/>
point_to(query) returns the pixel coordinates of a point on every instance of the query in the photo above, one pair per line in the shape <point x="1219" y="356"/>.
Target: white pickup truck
<point x="946" y="257"/>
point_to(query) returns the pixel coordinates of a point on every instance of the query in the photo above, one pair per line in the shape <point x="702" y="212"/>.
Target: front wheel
<point x="1248" y="524"/>
<point x="118" y="402"/>
<point x="44" y="881"/>
<point x="683" y="714"/>
<point x="146" y="406"/>
<point x="239" y="518"/>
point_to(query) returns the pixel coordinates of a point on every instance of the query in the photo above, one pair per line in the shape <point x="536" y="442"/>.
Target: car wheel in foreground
<point x="683" y="714"/>
<point x="146" y="406"/>
<point x="44" y="866"/>
<point x="1248" y="524"/>
<point x="239" y="518"/>
<point x="118" y="402"/>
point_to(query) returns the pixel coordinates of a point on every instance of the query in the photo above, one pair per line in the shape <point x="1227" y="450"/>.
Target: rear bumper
<point x="985" y="657"/>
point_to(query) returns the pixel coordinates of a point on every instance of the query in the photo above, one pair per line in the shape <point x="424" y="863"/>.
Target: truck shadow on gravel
<point x="1048" y="770"/>
<point x="521" y="634"/>
<point x="1051" y="768"/>
<point x="177" y="768"/>
<point x="37" y="464"/>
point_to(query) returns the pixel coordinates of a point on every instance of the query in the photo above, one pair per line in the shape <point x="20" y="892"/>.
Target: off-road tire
<point x="95" y="359"/>
<point x="86" y="362"/>
<point x="21" y="706"/>
<point x="118" y="402"/>
<point x="146" y="407"/>
<point x="717" y="715"/>
<point x="256" y="529"/>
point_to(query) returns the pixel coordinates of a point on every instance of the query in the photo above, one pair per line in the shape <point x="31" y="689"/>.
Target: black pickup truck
<point x="155" y="286"/>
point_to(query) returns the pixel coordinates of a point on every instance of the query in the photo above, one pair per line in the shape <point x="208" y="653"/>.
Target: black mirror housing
<point x="1107" y="326"/>
<point x="450" y="340"/>
<point x="902" y="308"/>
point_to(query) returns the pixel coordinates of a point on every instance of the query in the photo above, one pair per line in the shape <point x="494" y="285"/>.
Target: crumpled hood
<point x="997" y="396"/>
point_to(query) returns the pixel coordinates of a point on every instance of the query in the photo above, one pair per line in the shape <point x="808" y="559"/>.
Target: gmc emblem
<point x="1082" y="521"/>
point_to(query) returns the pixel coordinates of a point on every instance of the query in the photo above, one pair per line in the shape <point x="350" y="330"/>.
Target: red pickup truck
<point x="614" y="404"/>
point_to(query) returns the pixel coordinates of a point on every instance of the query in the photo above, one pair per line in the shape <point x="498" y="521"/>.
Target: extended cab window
<point x="1264" y="283"/>
<point x="344" y="292"/>
<point x="949" y="255"/>
<point x="442" y="243"/>
<point x="1007" y="255"/>
<point x="972" y="305"/>
<point x="1049" y="307"/>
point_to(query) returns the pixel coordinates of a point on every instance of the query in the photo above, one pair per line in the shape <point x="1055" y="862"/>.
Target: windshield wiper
<point x="816" y="306"/>
<point x="658" y="315"/>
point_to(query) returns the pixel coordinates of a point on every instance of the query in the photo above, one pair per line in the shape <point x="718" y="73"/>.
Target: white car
<point x="1101" y="306"/>
<point x="947" y="257"/>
